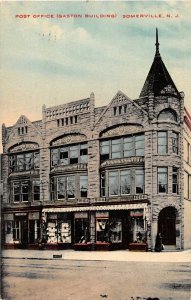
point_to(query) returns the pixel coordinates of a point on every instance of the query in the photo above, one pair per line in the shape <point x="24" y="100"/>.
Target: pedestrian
<point x="158" y="243"/>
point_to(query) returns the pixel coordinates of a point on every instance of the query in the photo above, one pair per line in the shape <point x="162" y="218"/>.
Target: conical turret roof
<point x="158" y="81"/>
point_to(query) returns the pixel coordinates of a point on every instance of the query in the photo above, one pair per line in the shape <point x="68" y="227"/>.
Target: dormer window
<point x="167" y="115"/>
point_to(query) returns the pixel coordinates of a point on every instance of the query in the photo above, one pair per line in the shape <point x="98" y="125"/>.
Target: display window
<point x="115" y="227"/>
<point x="102" y="230"/>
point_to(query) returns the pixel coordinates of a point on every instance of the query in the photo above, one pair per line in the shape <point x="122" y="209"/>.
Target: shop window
<point x="82" y="231"/>
<point x="115" y="227"/>
<point x="137" y="229"/>
<point x="162" y="180"/>
<point x="175" y="142"/>
<point x="175" y="180"/>
<point x="102" y="230"/>
<point x="83" y="186"/>
<point x="139" y="181"/>
<point x="59" y="231"/>
<point x="17" y="230"/>
<point x="34" y="231"/>
<point x="36" y="190"/>
<point x="125" y="182"/>
<point x="162" y="142"/>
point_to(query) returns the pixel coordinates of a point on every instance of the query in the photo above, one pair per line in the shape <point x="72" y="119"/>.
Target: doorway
<point x="167" y="225"/>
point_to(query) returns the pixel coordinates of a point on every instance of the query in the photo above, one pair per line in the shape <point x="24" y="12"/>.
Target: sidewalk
<point x="120" y="255"/>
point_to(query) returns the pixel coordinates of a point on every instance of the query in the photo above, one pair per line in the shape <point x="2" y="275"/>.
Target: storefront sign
<point x="136" y="213"/>
<point x="8" y="217"/>
<point x="34" y="215"/>
<point x="20" y="214"/>
<point x="81" y="215"/>
<point x="102" y="214"/>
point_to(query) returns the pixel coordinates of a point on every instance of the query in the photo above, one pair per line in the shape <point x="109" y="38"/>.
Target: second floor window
<point x="25" y="190"/>
<point x="24" y="162"/>
<point x="67" y="155"/>
<point x="69" y="187"/>
<point x="122" y="182"/>
<point x="175" y="180"/>
<point x="122" y="147"/>
<point x="162" y="142"/>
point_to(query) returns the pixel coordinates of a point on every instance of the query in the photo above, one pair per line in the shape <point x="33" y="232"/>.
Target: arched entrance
<point x="167" y="225"/>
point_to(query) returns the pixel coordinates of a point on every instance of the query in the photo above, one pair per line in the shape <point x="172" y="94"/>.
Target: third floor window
<point x="67" y="155"/>
<point x="24" y="161"/>
<point x="122" y="147"/>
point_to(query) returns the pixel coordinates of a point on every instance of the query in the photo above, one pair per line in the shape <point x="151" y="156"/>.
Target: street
<point x="34" y="279"/>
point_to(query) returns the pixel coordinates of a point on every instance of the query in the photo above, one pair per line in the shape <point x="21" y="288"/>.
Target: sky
<point x="56" y="60"/>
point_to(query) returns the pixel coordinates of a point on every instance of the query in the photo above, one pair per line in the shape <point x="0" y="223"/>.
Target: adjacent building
<point x="100" y="178"/>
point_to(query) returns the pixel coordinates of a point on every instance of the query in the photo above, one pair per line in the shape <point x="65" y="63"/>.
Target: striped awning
<point x="95" y="208"/>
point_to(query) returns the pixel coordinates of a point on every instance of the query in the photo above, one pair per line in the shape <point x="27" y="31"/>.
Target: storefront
<point x="107" y="227"/>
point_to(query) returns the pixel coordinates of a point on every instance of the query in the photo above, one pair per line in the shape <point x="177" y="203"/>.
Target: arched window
<point x="167" y="115"/>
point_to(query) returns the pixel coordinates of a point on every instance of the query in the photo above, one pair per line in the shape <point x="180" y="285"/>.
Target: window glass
<point x="54" y="155"/>
<point x="102" y="230"/>
<point x="83" y="185"/>
<point x="28" y="161"/>
<point x="128" y="146"/>
<point x="162" y="180"/>
<point x="12" y="163"/>
<point x="25" y="191"/>
<point x="115" y="230"/>
<point x="139" y="145"/>
<point x="103" y="185"/>
<point x="82" y="231"/>
<point x="83" y="153"/>
<point x="64" y="156"/>
<point x="73" y="154"/>
<point x="71" y="186"/>
<point x="175" y="180"/>
<point x="20" y="162"/>
<point x="113" y="183"/>
<point x="61" y="188"/>
<point x="175" y="142"/>
<point x="36" y="190"/>
<point x="139" y="181"/>
<point x="116" y="148"/>
<point x="16" y="191"/>
<point x="104" y="150"/>
<point x="162" y="142"/>
<point x="125" y="182"/>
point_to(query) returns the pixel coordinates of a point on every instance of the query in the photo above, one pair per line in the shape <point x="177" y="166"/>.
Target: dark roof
<point x="158" y="80"/>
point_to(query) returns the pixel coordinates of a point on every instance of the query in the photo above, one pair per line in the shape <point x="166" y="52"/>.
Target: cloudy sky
<point x="57" y="60"/>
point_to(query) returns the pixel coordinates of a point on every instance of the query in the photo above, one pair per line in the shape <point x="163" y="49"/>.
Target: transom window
<point x="24" y="162"/>
<point x="67" y="155"/>
<point x="69" y="187"/>
<point x="122" y="147"/>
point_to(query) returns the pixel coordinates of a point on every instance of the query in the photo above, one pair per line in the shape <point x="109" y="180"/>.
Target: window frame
<point x="165" y="172"/>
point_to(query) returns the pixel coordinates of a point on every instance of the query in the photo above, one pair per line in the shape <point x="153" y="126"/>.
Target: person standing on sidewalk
<point x="158" y="243"/>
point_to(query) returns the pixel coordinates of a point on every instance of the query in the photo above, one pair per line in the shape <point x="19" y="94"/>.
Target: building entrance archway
<point x="167" y="225"/>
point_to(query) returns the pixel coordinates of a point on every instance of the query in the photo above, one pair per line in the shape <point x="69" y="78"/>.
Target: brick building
<point x="101" y="178"/>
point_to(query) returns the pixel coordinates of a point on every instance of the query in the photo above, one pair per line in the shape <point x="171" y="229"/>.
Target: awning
<point x="95" y="208"/>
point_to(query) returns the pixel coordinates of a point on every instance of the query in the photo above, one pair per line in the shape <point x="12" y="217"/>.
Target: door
<point x="167" y="225"/>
